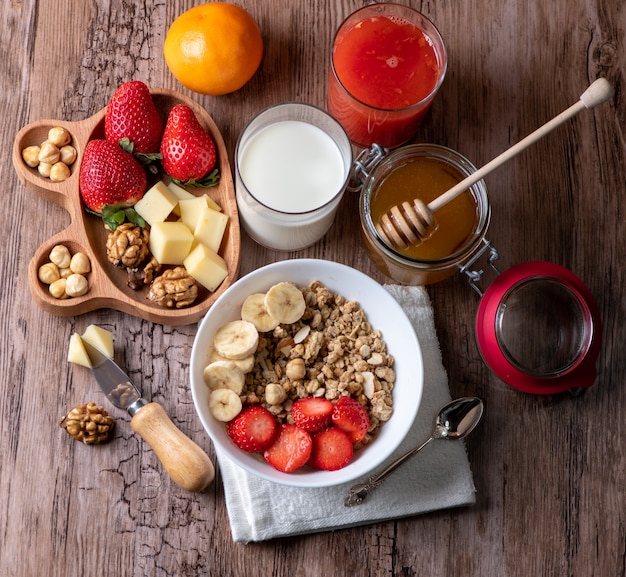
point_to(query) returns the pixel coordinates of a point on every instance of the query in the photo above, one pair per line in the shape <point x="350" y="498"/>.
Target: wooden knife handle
<point x="187" y="464"/>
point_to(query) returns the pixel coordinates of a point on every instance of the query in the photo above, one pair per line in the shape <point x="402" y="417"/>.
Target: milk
<point x="290" y="178"/>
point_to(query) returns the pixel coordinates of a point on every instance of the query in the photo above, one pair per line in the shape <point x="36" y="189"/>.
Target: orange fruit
<point x="213" y="48"/>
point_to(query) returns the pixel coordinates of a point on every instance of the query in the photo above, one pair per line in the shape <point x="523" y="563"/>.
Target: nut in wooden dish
<point x="109" y="284"/>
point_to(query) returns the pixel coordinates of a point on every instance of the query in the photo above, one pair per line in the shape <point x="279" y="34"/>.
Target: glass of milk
<point x="292" y="166"/>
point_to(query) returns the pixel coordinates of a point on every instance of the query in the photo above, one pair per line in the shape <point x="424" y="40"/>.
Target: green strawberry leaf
<point x="114" y="215"/>
<point x="207" y="181"/>
<point x="144" y="158"/>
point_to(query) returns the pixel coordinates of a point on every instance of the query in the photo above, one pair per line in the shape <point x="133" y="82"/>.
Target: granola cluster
<point x="331" y="351"/>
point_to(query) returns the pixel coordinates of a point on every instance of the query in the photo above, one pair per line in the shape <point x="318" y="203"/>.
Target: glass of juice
<point x="292" y="165"/>
<point x="424" y="171"/>
<point x="388" y="61"/>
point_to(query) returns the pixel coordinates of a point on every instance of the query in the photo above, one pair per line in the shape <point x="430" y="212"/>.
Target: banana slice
<point x="224" y="375"/>
<point x="224" y="404"/>
<point x="285" y="302"/>
<point x="253" y="310"/>
<point x="236" y="340"/>
<point x="246" y="365"/>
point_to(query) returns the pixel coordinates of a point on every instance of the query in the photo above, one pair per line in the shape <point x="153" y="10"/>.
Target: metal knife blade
<point x="114" y="382"/>
<point x="187" y="464"/>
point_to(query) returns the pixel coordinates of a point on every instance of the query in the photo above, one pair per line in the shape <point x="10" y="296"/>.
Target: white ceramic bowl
<point x="383" y="313"/>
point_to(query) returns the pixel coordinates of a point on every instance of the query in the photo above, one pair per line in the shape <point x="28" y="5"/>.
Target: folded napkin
<point x="438" y="477"/>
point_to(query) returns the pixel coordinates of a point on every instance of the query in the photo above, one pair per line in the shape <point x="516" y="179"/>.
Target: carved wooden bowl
<point x="86" y="233"/>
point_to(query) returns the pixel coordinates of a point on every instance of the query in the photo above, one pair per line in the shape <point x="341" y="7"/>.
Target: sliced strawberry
<point x="131" y="114"/>
<point x="253" y="429"/>
<point x="313" y="414"/>
<point x="187" y="149"/>
<point x="110" y="176"/>
<point x="291" y="449"/>
<point x="352" y="417"/>
<point x="332" y="450"/>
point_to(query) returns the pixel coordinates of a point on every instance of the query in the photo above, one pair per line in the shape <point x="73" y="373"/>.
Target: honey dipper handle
<point x="597" y="93"/>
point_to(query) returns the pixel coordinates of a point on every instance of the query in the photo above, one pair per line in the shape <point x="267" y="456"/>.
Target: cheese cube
<point x="181" y="194"/>
<point x="206" y="266"/>
<point x="170" y="242"/>
<point x="76" y="352"/>
<point x="210" y="228"/>
<point x="99" y="338"/>
<point x="157" y="204"/>
<point x="190" y="209"/>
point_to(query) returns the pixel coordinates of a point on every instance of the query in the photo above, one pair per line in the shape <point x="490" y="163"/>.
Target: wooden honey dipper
<point x="412" y="222"/>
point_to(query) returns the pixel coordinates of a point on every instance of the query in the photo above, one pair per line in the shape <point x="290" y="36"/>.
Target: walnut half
<point x="175" y="288"/>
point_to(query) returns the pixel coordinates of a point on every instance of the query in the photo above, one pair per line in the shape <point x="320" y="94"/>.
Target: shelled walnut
<point x="175" y="288"/>
<point x="88" y="423"/>
<point x="127" y="245"/>
<point x="143" y="276"/>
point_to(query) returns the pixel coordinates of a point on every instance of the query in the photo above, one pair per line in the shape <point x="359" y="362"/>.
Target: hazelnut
<point x="49" y="153"/>
<point x="60" y="255"/>
<point x="44" y="169"/>
<point x="59" y="136"/>
<point x="68" y="154"/>
<point x="80" y="263"/>
<point x="76" y="285"/>
<point x="59" y="172"/>
<point x="65" y="272"/>
<point x="275" y="394"/>
<point x="57" y="289"/>
<point x="48" y="273"/>
<point x="295" y="369"/>
<point x="30" y="155"/>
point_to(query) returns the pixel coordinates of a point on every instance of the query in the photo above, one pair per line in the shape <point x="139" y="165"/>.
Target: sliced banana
<point x="253" y="310"/>
<point x="224" y="375"/>
<point x="285" y="302"/>
<point x="246" y="365"/>
<point x="224" y="404"/>
<point x="236" y="340"/>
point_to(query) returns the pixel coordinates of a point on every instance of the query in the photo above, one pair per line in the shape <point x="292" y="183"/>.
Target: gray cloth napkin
<point x="439" y="477"/>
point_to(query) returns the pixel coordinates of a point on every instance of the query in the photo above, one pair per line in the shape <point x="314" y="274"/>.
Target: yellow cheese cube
<point x="76" y="352"/>
<point x="210" y="228"/>
<point x="190" y="210"/>
<point x="212" y="204"/>
<point x="206" y="266"/>
<point x="157" y="204"/>
<point x="99" y="338"/>
<point x="181" y="194"/>
<point x="170" y="242"/>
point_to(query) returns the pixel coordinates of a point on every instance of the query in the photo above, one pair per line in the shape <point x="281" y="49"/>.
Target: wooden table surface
<point x="549" y="470"/>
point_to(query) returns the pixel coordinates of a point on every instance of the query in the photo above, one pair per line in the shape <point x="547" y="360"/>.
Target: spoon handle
<point x="358" y="493"/>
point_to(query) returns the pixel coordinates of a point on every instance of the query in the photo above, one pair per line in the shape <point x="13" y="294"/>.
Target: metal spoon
<point x="455" y="421"/>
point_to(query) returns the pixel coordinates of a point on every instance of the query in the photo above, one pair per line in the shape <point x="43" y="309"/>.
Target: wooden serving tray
<point x="86" y="233"/>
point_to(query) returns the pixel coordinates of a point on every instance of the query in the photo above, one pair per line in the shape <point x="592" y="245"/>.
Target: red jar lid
<point x="538" y="329"/>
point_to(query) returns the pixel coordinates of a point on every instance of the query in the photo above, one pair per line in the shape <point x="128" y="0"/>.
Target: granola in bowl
<point x="352" y="340"/>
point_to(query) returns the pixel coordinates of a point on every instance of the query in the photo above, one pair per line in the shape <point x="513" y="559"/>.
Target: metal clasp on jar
<point x="363" y="164"/>
<point x="475" y="276"/>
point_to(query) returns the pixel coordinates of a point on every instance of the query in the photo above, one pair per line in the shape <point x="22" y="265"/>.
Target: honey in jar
<point x="424" y="171"/>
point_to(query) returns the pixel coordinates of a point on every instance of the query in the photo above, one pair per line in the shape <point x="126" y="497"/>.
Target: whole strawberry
<point x="110" y="176"/>
<point x="131" y="114"/>
<point x="187" y="149"/>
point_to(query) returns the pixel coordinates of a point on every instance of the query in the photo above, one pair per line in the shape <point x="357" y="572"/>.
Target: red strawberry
<point x="131" y="114"/>
<point x="254" y="429"/>
<point x="332" y="450"/>
<point x="291" y="449"/>
<point x="313" y="414"/>
<point x="350" y="416"/>
<point x="110" y="176"/>
<point x="187" y="148"/>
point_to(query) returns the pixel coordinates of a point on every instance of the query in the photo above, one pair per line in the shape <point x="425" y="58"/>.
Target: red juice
<point x="387" y="63"/>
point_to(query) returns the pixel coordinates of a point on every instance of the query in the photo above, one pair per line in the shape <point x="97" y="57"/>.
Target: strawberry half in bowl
<point x="366" y="350"/>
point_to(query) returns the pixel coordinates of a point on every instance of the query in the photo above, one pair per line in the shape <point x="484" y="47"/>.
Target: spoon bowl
<point x="455" y="421"/>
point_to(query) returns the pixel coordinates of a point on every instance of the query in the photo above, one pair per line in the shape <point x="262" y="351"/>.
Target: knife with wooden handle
<point x="187" y="464"/>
